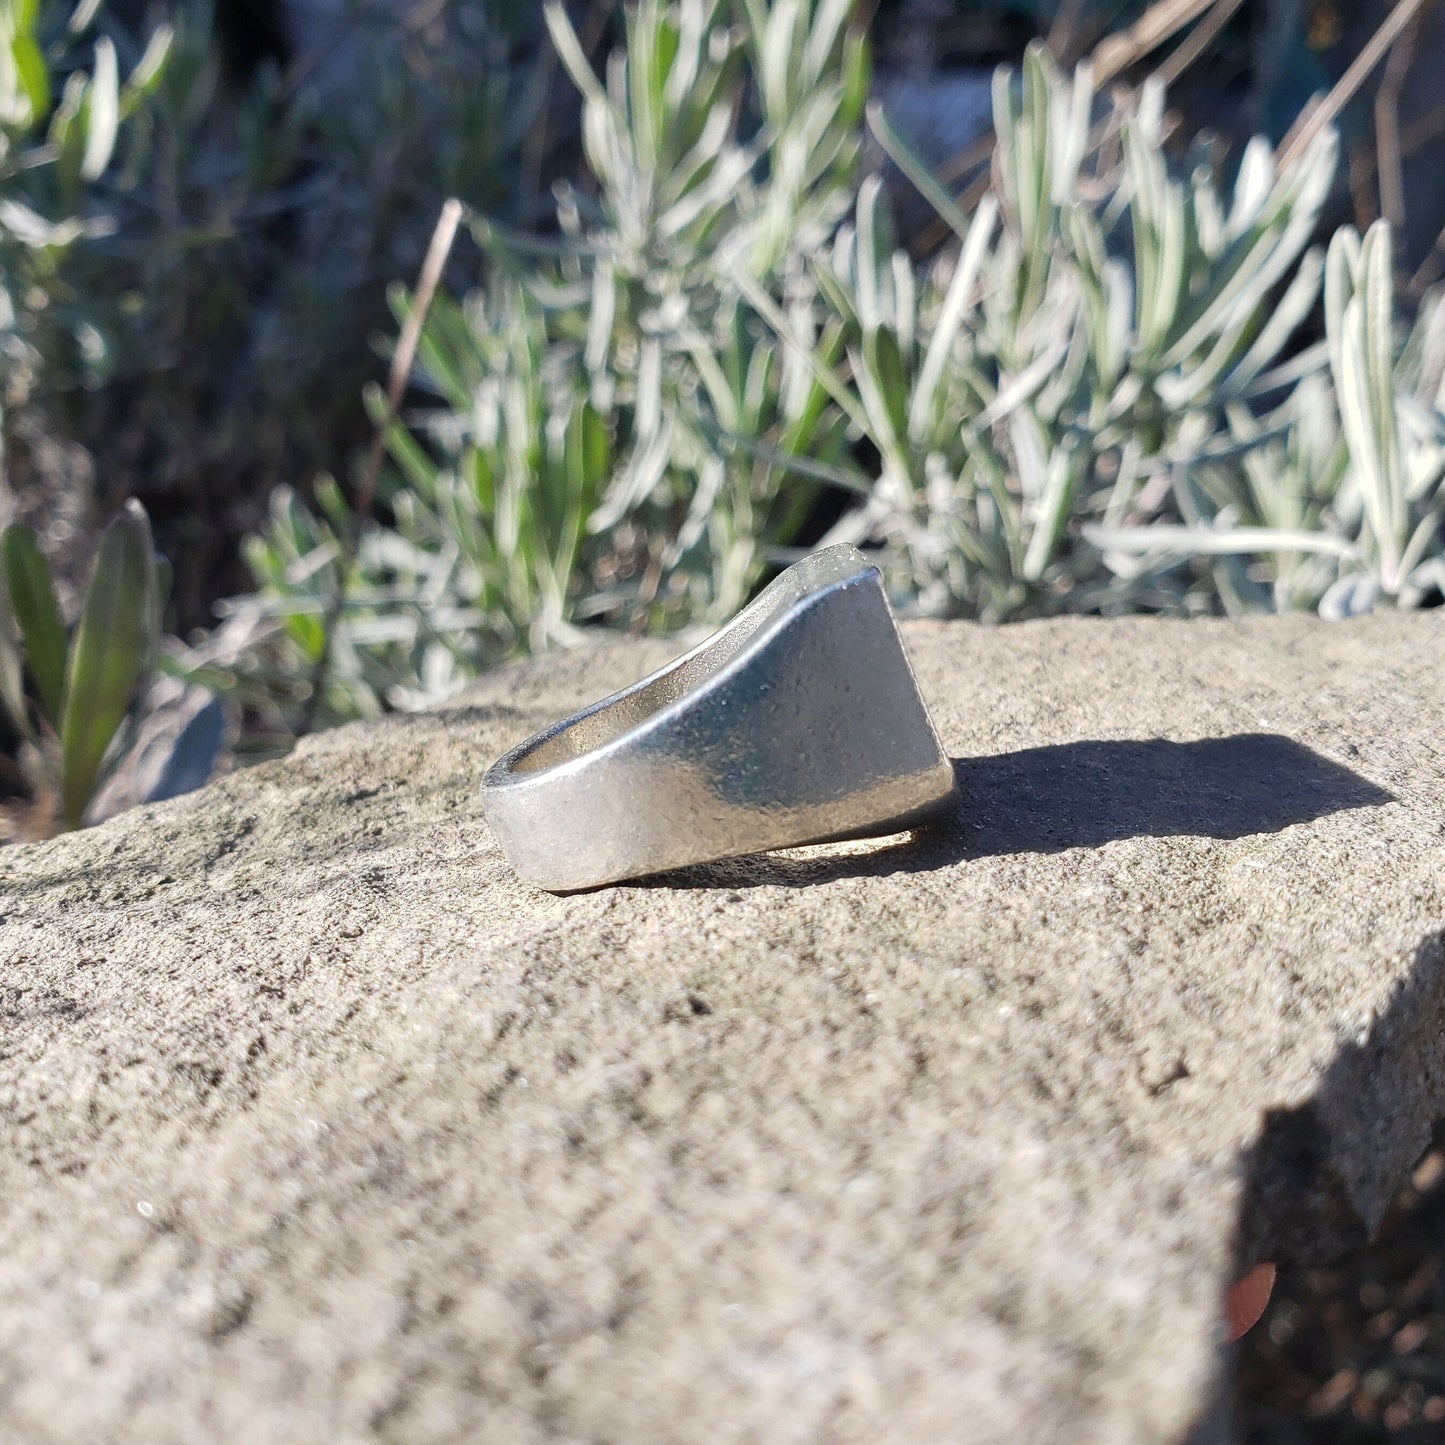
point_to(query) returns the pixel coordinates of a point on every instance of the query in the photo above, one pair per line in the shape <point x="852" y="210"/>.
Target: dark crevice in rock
<point x="1303" y="1203"/>
<point x="1296" y="1205"/>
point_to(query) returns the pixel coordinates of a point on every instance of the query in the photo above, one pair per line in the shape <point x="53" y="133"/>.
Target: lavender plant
<point x="1105" y="397"/>
<point x="611" y="409"/>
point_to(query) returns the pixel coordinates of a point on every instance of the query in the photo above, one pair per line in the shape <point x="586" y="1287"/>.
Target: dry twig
<point x="1314" y="118"/>
<point x="1160" y="23"/>
<point x="1064" y="32"/>
<point x="369" y="476"/>
<point x="1387" y="127"/>
<point x="1198" y="41"/>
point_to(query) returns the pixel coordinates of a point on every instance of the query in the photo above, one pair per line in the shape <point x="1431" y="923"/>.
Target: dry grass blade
<point x="1198" y="41"/>
<point x="1064" y="32"/>
<point x="1158" y="24"/>
<point x="1387" y="127"/>
<point x="1415" y="136"/>
<point x="1316" y="117"/>
<point x="1364" y="194"/>
<point x="440" y="247"/>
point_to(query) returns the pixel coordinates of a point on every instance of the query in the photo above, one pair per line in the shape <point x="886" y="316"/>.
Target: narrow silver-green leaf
<point x="870" y="287"/>
<point x="916" y="169"/>
<point x="1210" y="541"/>
<point x="1051" y="511"/>
<point x="33" y="75"/>
<point x="569" y="49"/>
<point x="148" y="70"/>
<point x="83" y="16"/>
<point x="1073" y="124"/>
<point x="103" y="112"/>
<point x="950" y="320"/>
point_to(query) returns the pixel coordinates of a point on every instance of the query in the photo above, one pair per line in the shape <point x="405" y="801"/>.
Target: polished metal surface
<point x="800" y="722"/>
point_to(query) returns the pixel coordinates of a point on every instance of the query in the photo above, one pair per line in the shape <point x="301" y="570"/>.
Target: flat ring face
<point x="799" y="722"/>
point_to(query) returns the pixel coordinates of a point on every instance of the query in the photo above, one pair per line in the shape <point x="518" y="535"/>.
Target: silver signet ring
<point x="800" y="722"/>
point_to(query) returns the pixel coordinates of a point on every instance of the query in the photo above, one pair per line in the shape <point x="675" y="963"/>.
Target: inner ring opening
<point x="619" y="714"/>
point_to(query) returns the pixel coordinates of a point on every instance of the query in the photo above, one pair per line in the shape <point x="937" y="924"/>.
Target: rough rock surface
<point x="317" y="1125"/>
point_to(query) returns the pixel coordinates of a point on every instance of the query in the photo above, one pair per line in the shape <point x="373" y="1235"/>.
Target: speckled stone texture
<point x="316" y="1125"/>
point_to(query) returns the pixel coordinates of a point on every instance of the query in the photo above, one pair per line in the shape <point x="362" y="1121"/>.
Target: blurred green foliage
<point x="66" y="102"/>
<point x="231" y="301"/>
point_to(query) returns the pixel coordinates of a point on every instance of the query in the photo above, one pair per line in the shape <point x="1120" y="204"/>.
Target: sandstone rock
<point x="315" y="1124"/>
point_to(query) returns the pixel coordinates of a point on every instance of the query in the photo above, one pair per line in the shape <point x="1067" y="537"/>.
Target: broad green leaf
<point x="114" y="652"/>
<point x="12" y="669"/>
<point x="37" y="613"/>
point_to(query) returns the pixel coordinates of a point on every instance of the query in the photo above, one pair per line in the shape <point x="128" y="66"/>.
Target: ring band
<point x="800" y="722"/>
